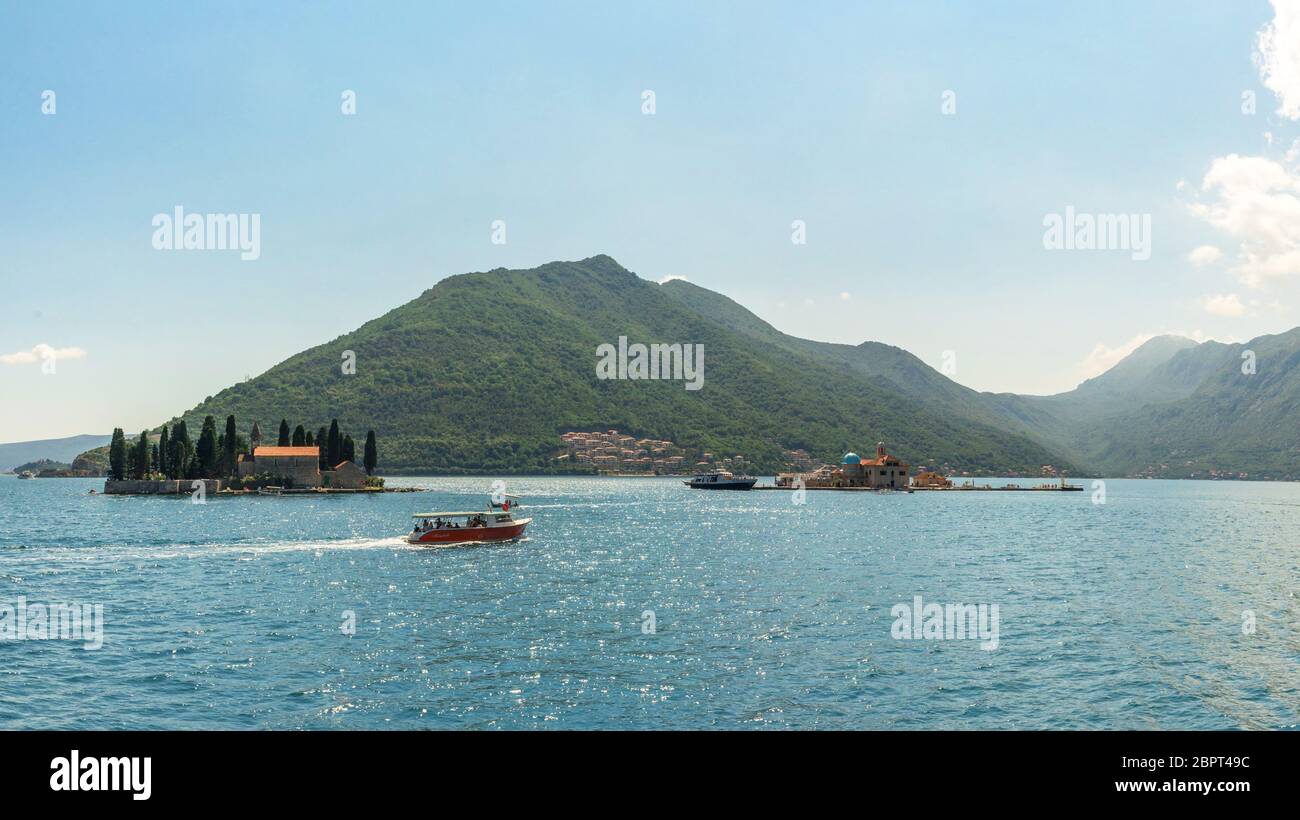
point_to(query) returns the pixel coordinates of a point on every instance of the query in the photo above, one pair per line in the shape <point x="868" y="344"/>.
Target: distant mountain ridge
<point x="1239" y="420"/>
<point x="54" y="449"/>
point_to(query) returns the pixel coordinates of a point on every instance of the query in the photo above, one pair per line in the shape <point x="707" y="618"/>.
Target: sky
<point x="918" y="150"/>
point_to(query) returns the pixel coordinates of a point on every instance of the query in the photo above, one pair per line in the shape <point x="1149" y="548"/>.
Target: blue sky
<point x="924" y="230"/>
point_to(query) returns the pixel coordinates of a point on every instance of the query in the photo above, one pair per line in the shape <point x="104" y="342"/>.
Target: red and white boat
<point x="497" y="523"/>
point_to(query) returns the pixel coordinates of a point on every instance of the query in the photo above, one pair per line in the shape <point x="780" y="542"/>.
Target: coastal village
<point x="610" y="452"/>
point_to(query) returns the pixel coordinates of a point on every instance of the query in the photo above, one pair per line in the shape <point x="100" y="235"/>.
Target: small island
<point x="169" y="462"/>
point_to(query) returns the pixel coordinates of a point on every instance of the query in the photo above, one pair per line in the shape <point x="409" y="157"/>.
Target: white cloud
<point x="668" y="279"/>
<point x="1277" y="54"/>
<point x="1226" y="304"/>
<point x="1256" y="201"/>
<point x="1205" y="255"/>
<point x="40" y="353"/>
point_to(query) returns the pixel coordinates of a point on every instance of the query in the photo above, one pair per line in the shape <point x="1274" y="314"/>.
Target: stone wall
<point x="179" y="487"/>
<point x="347" y="476"/>
<point x="305" y="472"/>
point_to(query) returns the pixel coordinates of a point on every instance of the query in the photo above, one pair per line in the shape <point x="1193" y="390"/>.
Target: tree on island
<point x="140" y="467"/>
<point x="372" y="453"/>
<point x="299" y="436"/>
<point x="117" y="455"/>
<point x="284" y="433"/>
<point x="321" y="441"/>
<point x="164" y="452"/>
<point x="207" y="449"/>
<point x="181" y="451"/>
<point x="348" y="451"/>
<point x="153" y="459"/>
<point x="311" y="442"/>
<point x="335" y="445"/>
<point x="231" y="465"/>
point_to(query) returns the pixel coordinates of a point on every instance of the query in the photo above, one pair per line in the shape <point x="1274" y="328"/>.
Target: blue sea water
<point x="766" y="613"/>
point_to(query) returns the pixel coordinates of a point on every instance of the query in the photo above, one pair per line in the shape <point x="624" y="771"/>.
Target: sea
<point x="638" y="603"/>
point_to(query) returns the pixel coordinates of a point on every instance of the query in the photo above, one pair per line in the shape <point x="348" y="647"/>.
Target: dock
<point x="960" y="488"/>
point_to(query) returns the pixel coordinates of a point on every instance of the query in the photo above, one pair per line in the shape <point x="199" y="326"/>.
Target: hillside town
<point x="610" y="452"/>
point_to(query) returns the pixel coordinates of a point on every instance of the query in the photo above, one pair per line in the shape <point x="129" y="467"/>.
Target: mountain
<point x="1232" y="421"/>
<point x="484" y="371"/>
<point x="1155" y="372"/>
<point x="56" y="449"/>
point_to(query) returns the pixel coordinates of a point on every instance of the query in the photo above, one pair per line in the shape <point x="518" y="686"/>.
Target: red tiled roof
<point x="286" y="452"/>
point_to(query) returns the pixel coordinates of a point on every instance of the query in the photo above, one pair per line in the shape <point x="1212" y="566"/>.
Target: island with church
<point x="168" y="462"/>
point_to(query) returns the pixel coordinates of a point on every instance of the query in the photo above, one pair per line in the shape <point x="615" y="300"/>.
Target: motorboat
<point x="496" y="523"/>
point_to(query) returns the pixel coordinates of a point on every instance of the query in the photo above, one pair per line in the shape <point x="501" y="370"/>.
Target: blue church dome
<point x="851" y="458"/>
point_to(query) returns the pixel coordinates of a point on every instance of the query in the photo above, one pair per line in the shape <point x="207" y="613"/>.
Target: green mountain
<point x="484" y="371"/>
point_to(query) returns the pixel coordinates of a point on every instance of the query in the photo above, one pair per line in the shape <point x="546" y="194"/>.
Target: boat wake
<point x="246" y="551"/>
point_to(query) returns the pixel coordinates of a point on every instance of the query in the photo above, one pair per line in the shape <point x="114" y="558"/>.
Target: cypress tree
<point x="229" y="451"/>
<point x="284" y="433"/>
<point x="182" y="450"/>
<point x="299" y="436"/>
<point x="372" y="453"/>
<point x="140" y="468"/>
<point x="164" y="442"/>
<point x="310" y="441"/>
<point x="154" y="466"/>
<point x="117" y="455"/>
<point x="349" y="450"/>
<point x="207" y="449"/>
<point x="322" y="436"/>
<point x="335" y="445"/>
